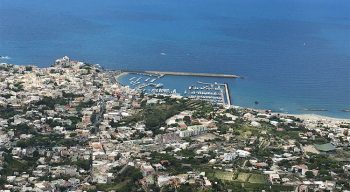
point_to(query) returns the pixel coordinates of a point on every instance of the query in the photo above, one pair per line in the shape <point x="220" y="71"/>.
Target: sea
<point x="293" y="54"/>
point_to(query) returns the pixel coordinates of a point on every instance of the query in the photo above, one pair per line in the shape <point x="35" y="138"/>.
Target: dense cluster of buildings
<point x="73" y="127"/>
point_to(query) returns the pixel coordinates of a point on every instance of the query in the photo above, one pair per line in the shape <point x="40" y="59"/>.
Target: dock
<point x="228" y="93"/>
<point x="162" y="73"/>
<point x="216" y="93"/>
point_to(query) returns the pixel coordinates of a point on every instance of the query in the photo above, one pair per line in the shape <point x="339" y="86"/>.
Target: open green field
<point x="224" y="175"/>
<point x="239" y="177"/>
<point x="257" y="178"/>
<point x="240" y="181"/>
<point x="243" y="177"/>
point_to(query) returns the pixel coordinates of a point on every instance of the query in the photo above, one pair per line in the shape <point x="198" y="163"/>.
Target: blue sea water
<point x="294" y="54"/>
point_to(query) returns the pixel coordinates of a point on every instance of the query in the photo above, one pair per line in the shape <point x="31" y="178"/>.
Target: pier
<point x="226" y="91"/>
<point x="162" y="73"/>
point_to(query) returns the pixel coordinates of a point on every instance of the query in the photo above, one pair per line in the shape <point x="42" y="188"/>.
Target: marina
<point x="216" y="90"/>
<point x="152" y="82"/>
<point x="216" y="93"/>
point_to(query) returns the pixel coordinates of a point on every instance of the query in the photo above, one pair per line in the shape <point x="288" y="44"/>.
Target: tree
<point x="187" y="120"/>
<point x="36" y="154"/>
<point x="113" y="123"/>
<point x="248" y="164"/>
<point x="309" y="174"/>
<point x="29" y="68"/>
<point x="84" y="164"/>
<point x="285" y="163"/>
<point x="93" y="130"/>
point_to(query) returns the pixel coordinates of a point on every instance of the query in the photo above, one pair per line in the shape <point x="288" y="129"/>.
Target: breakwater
<point x="161" y="73"/>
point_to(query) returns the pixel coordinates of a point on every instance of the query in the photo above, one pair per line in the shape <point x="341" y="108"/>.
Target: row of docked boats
<point x="138" y="80"/>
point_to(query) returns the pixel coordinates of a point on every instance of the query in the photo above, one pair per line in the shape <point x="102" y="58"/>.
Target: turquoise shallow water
<point x="294" y="54"/>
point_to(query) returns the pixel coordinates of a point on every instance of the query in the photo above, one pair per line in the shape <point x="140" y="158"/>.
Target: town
<point x="72" y="127"/>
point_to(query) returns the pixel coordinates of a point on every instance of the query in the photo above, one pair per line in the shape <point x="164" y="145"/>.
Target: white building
<point x="242" y="153"/>
<point x="229" y="157"/>
<point x="193" y="131"/>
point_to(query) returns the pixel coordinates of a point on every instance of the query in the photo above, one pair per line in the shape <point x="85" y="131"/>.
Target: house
<point x="261" y="165"/>
<point x="147" y="170"/>
<point x="274" y="178"/>
<point x="346" y="168"/>
<point x="206" y="183"/>
<point x="242" y="153"/>
<point x="102" y="177"/>
<point x="158" y="166"/>
<point x="99" y="155"/>
<point x="302" y="169"/>
<point x="164" y="180"/>
<point x="228" y="157"/>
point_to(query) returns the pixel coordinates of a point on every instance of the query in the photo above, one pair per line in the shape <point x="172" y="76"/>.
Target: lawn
<point x="240" y="177"/>
<point x="247" y="131"/>
<point x="223" y="175"/>
<point x="247" y="181"/>
<point x="257" y="178"/>
<point x="243" y="177"/>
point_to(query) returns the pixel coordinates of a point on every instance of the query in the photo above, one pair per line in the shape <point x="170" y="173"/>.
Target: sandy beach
<point x="315" y="117"/>
<point x="308" y="117"/>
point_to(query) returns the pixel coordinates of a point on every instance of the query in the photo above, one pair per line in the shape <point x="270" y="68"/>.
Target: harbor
<point x="217" y="93"/>
<point x="200" y="86"/>
<point x="219" y="89"/>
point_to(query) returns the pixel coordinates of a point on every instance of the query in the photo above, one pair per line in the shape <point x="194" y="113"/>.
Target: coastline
<point x="316" y="117"/>
<point x="119" y="76"/>
<point x="307" y="116"/>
